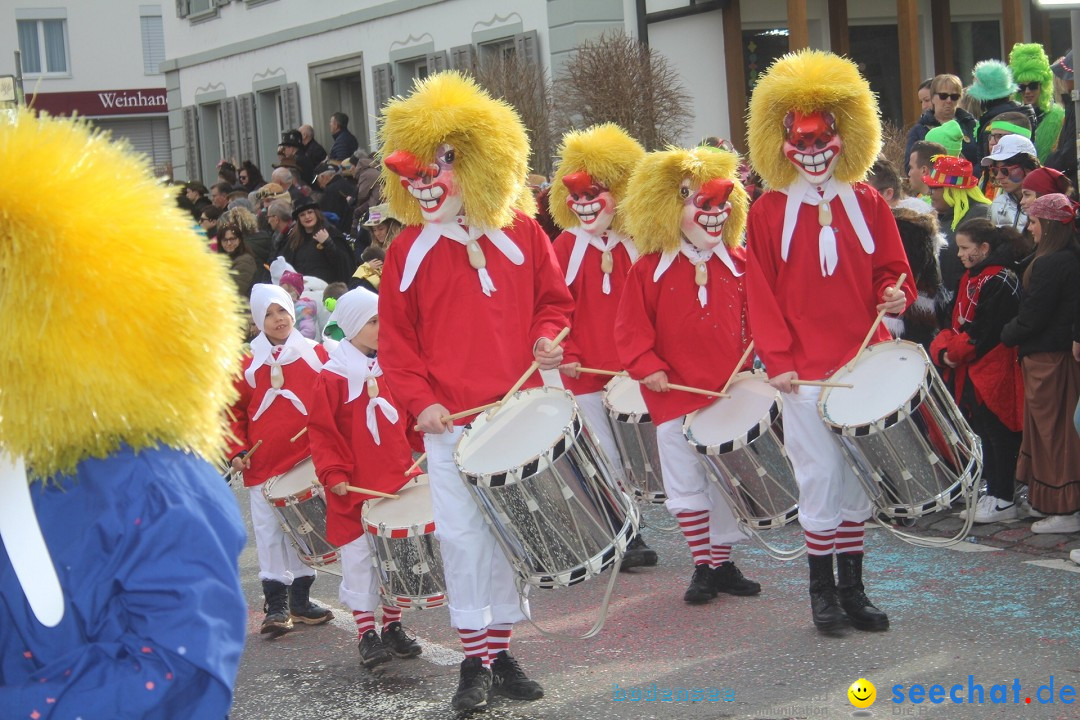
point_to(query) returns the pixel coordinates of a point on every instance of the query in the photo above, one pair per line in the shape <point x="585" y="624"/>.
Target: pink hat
<point x="1055" y="206"/>
<point x="294" y="280"/>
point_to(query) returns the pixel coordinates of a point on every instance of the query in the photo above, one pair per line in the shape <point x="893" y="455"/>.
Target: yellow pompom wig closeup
<point x="806" y="81"/>
<point x="491" y="147"/>
<point x="608" y="154"/>
<point x="119" y="325"/>
<point x="653" y="206"/>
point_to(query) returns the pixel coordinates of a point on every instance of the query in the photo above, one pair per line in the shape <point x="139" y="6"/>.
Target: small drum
<point x="903" y="434"/>
<point x="740" y="439"/>
<point x="406" y="554"/>
<point x="298" y="499"/>
<point x="546" y="489"/>
<point x="635" y="436"/>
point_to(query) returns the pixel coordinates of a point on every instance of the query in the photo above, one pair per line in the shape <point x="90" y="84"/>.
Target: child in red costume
<point x="682" y="319"/>
<point x="276" y="390"/>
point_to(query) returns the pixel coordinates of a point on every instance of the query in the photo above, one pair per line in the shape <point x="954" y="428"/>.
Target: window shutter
<point x="153" y="43"/>
<point x="437" y="61"/>
<point x="245" y="112"/>
<point x="182" y="8"/>
<point x="463" y="57"/>
<point x="231" y="130"/>
<point x="290" y="102"/>
<point x="382" y="84"/>
<point x="527" y="46"/>
<point x="191" y="142"/>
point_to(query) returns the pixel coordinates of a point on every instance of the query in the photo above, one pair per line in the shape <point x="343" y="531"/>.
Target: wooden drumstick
<point x="463" y="413"/>
<point x="376" y="493"/>
<point x="697" y="391"/>
<point x="597" y="371"/>
<point x="412" y="468"/>
<point x="298" y="435"/>
<point x="738" y="366"/>
<point x="822" y="383"/>
<point x="251" y="452"/>
<point x="532" y="368"/>
<point x="874" y="327"/>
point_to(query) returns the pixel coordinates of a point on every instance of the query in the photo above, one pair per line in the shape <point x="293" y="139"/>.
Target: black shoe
<point x="300" y="606"/>
<point x="276" y="607"/>
<point x="372" y="650"/>
<point x="509" y="680"/>
<point x="474" y="685"/>
<point x="824" y="605"/>
<point x="398" y="643"/>
<point x="701" y="586"/>
<point x="863" y="614"/>
<point x="638" y="554"/>
<point x="729" y="579"/>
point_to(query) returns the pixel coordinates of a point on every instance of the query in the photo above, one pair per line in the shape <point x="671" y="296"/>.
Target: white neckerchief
<point x="361" y="372"/>
<point x="801" y="191"/>
<point x="695" y="256"/>
<point x="583" y="239"/>
<point x="296" y="347"/>
<point x="460" y="233"/>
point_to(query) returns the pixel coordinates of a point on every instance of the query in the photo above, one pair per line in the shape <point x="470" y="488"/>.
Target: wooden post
<point x="1012" y="24"/>
<point x="798" y="29"/>
<point x="839" y="38"/>
<point x="907" y="26"/>
<point x="941" y="27"/>
<point x="736" y="74"/>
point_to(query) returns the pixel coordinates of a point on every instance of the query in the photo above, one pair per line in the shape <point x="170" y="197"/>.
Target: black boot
<point x="276" y="607"/>
<point x="863" y="614"/>
<point x="509" y="680"/>
<point x="638" y="554"/>
<point x="372" y="650"/>
<point x="398" y="643"/>
<point x="828" y="615"/>
<point x="701" y="588"/>
<point x="729" y="579"/>
<point x="474" y="685"/>
<point x="300" y="606"/>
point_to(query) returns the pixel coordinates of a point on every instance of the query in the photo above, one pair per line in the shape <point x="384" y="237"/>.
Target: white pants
<point x="829" y="492"/>
<point x="359" y="589"/>
<point x="687" y="486"/>
<point x="277" y="556"/>
<point x="596" y="417"/>
<point x="479" y="578"/>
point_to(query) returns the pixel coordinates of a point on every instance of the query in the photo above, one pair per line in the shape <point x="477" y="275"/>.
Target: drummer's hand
<point x="782" y="382"/>
<point x="240" y="463"/>
<point x="657" y="382"/>
<point x="894" y="301"/>
<point x="548" y="358"/>
<point x="339" y="489"/>
<point x="431" y="420"/>
<point x="947" y="360"/>
<point x="570" y="369"/>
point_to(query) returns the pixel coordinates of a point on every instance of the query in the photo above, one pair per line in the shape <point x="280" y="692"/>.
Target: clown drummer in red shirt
<point x="823" y="255"/>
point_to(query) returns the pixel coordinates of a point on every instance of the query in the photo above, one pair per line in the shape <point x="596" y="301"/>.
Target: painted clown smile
<point x="713" y="222"/>
<point x="814" y="164"/>
<point x="430" y="197"/>
<point x="587" y="212"/>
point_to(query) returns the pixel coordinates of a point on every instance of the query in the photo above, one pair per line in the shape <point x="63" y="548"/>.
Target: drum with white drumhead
<point x="635" y="436"/>
<point x="298" y="499"/>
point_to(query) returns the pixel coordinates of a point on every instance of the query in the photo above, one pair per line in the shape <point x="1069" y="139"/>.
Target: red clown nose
<point x="578" y="183"/>
<point x="714" y="193"/>
<point x="403" y="163"/>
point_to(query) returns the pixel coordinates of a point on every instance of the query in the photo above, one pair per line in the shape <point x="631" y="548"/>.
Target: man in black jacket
<point x="345" y="143"/>
<point x="336" y="194"/>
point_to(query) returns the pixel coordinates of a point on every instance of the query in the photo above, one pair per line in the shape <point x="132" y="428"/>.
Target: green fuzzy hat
<point x="1029" y="63"/>
<point x="950" y="135"/>
<point x="991" y="79"/>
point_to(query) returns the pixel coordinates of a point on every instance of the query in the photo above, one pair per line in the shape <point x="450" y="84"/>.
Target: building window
<point x="43" y="45"/>
<point x="498" y="50"/>
<point x="195" y="7"/>
<point x="409" y="71"/>
<point x="153" y="43"/>
<point x="974" y="40"/>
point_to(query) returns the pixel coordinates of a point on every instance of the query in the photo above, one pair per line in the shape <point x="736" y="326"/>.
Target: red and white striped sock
<point x="474" y="643"/>
<point x="695" y="528"/>
<point x="365" y="620"/>
<point x="498" y="639"/>
<point x="390" y="615"/>
<point x="820" y="542"/>
<point x="849" y="537"/>
<point x="720" y="555"/>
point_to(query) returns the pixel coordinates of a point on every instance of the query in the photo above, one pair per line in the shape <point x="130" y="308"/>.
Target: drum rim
<point x="417" y="481"/>
<point x="632" y="418"/>
<point x="750" y="436"/>
<point x="904" y="412"/>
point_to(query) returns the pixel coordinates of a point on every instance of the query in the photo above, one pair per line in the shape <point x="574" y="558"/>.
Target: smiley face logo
<point x="862" y="693"/>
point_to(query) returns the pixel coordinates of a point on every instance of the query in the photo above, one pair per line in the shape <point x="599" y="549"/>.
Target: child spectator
<point x="307" y="311"/>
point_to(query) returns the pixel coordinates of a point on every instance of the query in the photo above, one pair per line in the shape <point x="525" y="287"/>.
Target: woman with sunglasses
<point x="249" y="176"/>
<point x="242" y="262"/>
<point x="1010" y="162"/>
<point x="1031" y="69"/>
<point x="945" y="93"/>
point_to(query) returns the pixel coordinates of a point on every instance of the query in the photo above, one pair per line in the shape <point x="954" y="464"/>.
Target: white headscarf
<point x="296" y="346"/>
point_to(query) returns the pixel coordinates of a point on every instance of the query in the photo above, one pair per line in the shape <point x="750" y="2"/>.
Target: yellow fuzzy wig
<point x="491" y="144"/>
<point x="119" y="325"/>
<point x="608" y="154"/>
<point x="810" y="80"/>
<point x="653" y="206"/>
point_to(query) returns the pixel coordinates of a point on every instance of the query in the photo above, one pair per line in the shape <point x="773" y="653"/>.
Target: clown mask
<point x="591" y="201"/>
<point x="434" y="185"/>
<point x="705" y="210"/>
<point x="812" y="144"/>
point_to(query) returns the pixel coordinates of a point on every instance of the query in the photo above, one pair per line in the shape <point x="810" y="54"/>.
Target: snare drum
<point x="547" y="490"/>
<point x="740" y="441"/>
<point x="405" y="552"/>
<point x="901" y="431"/>
<point x="635" y="436"/>
<point x="297" y="498"/>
